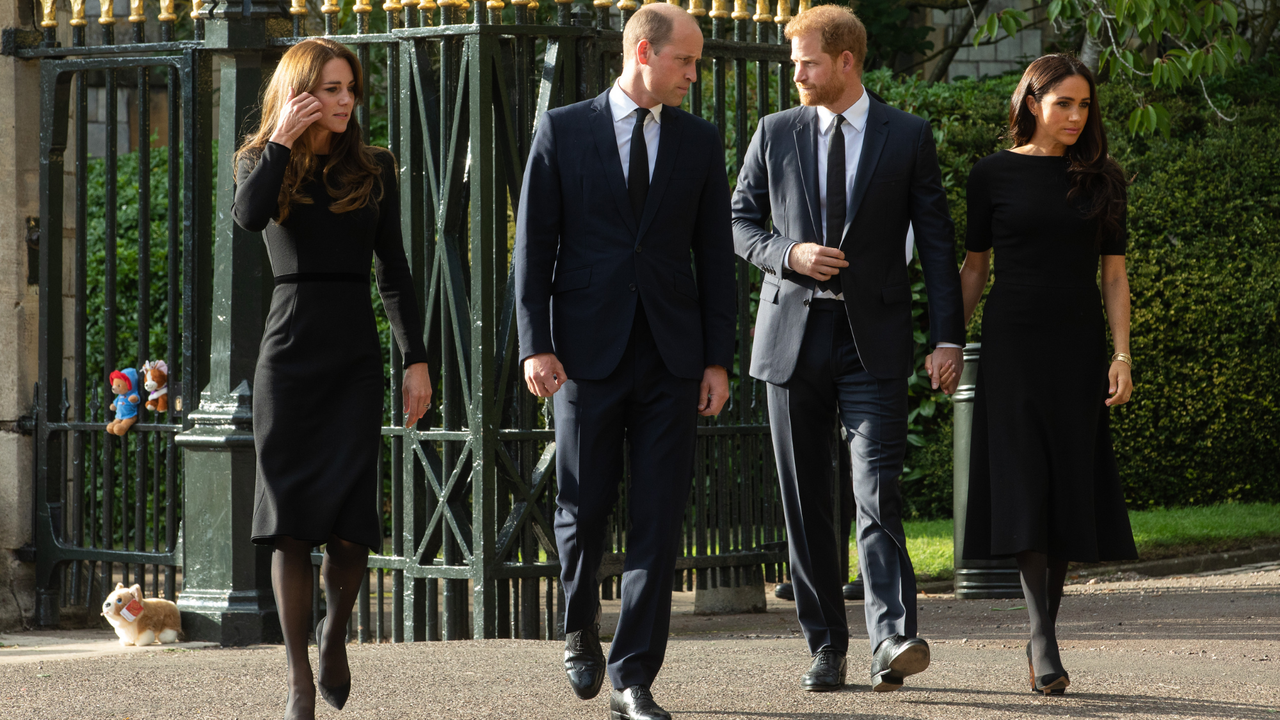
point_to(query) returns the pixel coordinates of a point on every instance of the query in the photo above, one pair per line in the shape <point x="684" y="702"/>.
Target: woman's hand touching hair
<point x="299" y="112"/>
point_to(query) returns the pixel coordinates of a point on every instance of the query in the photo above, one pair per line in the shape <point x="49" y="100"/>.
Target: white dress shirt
<point x="624" y="122"/>
<point x="854" y="128"/>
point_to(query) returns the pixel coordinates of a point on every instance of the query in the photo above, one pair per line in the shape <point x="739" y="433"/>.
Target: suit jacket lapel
<point x="806" y="137"/>
<point x="877" y="131"/>
<point x="611" y="163"/>
<point x="668" y="149"/>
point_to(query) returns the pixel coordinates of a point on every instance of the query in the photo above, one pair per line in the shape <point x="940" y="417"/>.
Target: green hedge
<point x="1204" y="265"/>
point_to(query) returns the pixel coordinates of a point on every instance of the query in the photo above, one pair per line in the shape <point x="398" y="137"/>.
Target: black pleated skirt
<point x="1042" y="472"/>
<point x="317" y="415"/>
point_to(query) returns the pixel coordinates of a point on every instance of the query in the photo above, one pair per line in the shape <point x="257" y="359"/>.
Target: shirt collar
<point x="623" y="106"/>
<point x="856" y="115"/>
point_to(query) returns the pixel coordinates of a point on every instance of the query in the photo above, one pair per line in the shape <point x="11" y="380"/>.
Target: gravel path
<point x="1204" y="646"/>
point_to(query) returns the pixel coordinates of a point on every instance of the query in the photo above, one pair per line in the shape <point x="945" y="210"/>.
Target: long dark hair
<point x="1092" y="172"/>
<point x="351" y="173"/>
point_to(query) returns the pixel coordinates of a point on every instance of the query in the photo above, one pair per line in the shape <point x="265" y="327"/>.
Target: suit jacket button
<point x="639" y="248"/>
<point x="633" y="287"/>
<point x="806" y="303"/>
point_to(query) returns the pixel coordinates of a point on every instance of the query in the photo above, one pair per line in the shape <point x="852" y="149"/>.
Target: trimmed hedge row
<point x="1204" y="265"/>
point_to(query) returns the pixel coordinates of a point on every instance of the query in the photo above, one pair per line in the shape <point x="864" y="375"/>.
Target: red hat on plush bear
<point x="117" y="375"/>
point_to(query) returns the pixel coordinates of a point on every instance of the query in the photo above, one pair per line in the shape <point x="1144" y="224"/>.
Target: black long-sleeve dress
<point x="1042" y="471"/>
<point x="318" y="387"/>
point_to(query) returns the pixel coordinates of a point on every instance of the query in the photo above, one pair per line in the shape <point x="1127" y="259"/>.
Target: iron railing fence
<point x="467" y="496"/>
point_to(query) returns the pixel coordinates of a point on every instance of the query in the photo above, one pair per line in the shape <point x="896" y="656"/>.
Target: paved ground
<point x="1192" y="647"/>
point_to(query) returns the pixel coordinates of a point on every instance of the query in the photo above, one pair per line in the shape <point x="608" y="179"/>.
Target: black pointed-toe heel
<point x="1051" y="684"/>
<point x="335" y="695"/>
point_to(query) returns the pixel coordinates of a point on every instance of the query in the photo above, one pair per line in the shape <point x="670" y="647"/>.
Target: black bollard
<point x="974" y="579"/>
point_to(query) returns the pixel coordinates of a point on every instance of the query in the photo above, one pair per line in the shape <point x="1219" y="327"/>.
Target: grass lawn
<point x="1158" y="533"/>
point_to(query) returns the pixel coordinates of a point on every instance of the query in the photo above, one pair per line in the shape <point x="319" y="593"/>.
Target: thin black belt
<point x="321" y="277"/>
<point x="826" y="304"/>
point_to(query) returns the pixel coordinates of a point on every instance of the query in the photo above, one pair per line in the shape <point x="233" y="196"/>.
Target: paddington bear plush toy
<point x="124" y="383"/>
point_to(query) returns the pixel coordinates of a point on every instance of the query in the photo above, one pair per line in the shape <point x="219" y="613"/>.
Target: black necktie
<point x="638" y="166"/>
<point x="835" y="196"/>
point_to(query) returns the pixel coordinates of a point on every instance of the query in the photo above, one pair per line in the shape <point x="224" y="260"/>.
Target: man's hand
<point x="817" y="261"/>
<point x="944" y="367"/>
<point x="544" y="374"/>
<point x="714" y="391"/>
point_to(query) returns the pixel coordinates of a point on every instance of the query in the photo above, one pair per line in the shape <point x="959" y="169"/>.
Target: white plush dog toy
<point x="141" y="621"/>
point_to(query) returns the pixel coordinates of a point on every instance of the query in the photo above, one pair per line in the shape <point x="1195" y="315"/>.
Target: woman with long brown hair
<point x="1044" y="485"/>
<point x="330" y="207"/>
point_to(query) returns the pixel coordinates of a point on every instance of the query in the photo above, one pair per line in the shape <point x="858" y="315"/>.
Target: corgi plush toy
<point x="140" y="621"/>
<point x="155" y="380"/>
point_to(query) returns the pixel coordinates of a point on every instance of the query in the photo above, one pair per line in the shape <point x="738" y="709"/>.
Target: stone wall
<point x="19" y="315"/>
<point x="1006" y="54"/>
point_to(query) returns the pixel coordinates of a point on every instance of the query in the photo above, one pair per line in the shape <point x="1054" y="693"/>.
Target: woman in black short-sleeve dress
<point x="329" y="206"/>
<point x="1044" y="485"/>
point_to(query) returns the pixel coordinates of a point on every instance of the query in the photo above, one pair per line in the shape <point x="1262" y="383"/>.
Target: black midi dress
<point x="318" y="386"/>
<point x="1042" y="472"/>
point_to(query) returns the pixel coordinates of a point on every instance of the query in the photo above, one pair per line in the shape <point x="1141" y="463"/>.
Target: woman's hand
<point x="295" y="117"/>
<point x="1121" y="383"/>
<point x="416" y="392"/>
<point x="945" y="377"/>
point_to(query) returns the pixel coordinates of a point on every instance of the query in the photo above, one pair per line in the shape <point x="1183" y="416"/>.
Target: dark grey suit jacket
<point x="897" y="183"/>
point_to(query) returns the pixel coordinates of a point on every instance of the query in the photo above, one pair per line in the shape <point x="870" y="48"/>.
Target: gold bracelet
<point x="1124" y="358"/>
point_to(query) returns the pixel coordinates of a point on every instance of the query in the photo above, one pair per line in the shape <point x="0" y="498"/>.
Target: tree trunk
<point x="939" y="73"/>
<point x="1091" y="52"/>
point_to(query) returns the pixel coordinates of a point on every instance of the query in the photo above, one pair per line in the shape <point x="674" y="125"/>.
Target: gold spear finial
<point x="762" y="12"/>
<point x="77" y="14"/>
<point x="498" y="4"/>
<point x="628" y="5"/>
<point x="697" y="8"/>
<point x="389" y="6"/>
<point x="166" y="11"/>
<point x="804" y="5"/>
<point x="362" y="6"/>
<point x="676" y="3"/>
<point x="719" y="9"/>
<point x="50" y="14"/>
<point x="602" y="4"/>
<point x="137" y="14"/>
<point x="195" y="9"/>
<point x="299" y="8"/>
<point x="330" y="7"/>
<point x="740" y="10"/>
<point x="784" y="12"/>
<point x="105" y="17"/>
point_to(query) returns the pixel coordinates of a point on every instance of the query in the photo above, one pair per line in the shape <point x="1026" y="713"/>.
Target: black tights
<point x="1042" y="581"/>
<point x="344" y="567"/>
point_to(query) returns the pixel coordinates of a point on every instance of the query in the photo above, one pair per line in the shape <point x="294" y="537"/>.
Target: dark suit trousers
<point x="830" y="383"/>
<point x="657" y="414"/>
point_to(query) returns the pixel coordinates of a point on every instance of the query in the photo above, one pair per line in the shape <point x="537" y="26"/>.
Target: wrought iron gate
<point x="468" y="495"/>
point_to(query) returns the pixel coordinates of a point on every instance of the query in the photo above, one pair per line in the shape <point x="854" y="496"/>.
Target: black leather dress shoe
<point x="784" y="591"/>
<point x="895" y="659"/>
<point x="584" y="662"/>
<point x="826" y="672"/>
<point x="635" y="703"/>
<point x="855" y="590"/>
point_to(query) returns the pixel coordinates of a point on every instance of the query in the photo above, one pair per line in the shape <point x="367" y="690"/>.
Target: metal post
<point x="226" y="595"/>
<point x="974" y="579"/>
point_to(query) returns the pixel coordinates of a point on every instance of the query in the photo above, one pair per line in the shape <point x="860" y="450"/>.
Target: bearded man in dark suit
<point x="826" y="194"/>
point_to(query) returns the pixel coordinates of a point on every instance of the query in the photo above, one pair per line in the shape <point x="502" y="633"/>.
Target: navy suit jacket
<point x="897" y="183"/>
<point x="582" y="260"/>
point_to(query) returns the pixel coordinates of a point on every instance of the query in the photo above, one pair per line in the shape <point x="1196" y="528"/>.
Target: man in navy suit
<point x="625" y="307"/>
<point x="826" y="194"/>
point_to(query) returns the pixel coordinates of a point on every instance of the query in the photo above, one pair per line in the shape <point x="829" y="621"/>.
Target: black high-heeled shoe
<point x="335" y="695"/>
<point x="1051" y="684"/>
